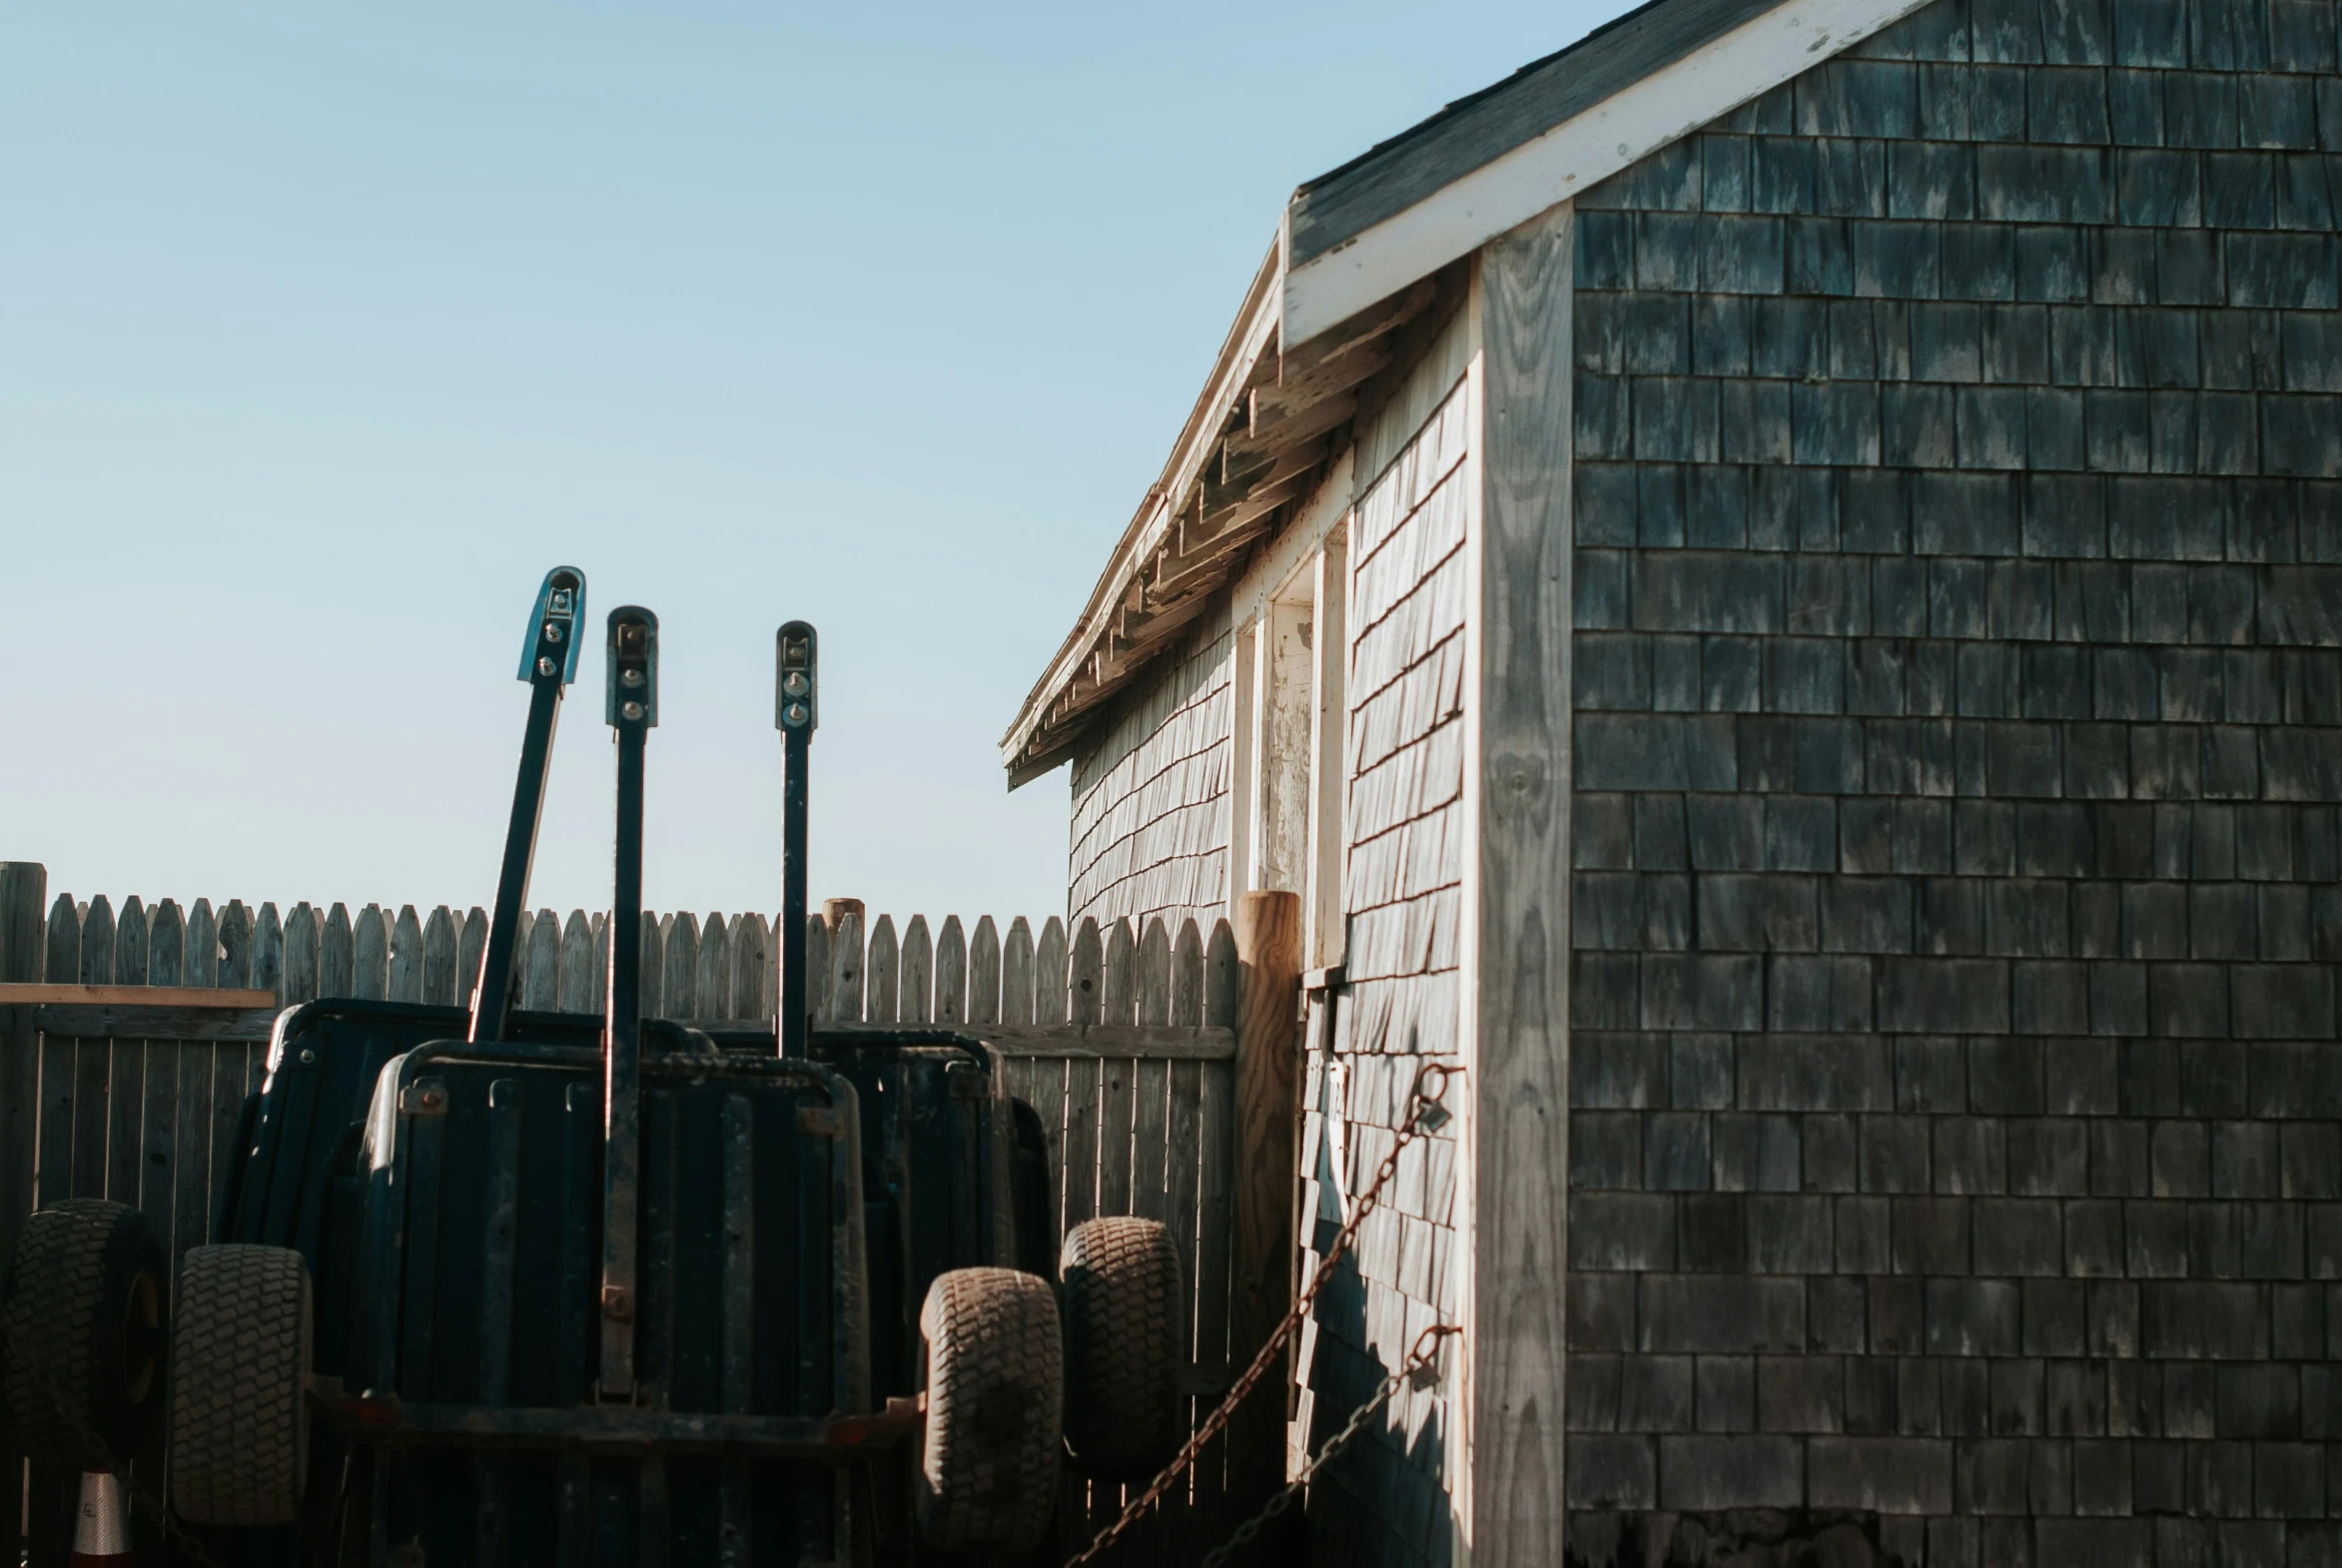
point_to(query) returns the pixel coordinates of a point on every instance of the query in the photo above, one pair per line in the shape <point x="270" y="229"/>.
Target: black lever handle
<point x="548" y="663"/>
<point x="796" y="711"/>
<point x="632" y="709"/>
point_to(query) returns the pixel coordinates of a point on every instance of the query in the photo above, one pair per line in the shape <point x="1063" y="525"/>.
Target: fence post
<point x="24" y="903"/>
<point x="1268" y="948"/>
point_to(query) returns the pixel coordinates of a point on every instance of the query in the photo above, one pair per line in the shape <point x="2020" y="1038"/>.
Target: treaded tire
<point x="86" y="1332"/>
<point x="988" y="1474"/>
<point x="1125" y="1346"/>
<point x="239" y="1386"/>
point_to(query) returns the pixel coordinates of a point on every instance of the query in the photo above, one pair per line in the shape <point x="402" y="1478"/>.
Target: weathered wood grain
<point x="369" y="955"/>
<point x="1150" y="987"/>
<point x="61" y="951"/>
<point x="46" y="995"/>
<point x="679" y="982"/>
<point x="125" y="1109"/>
<point x="472" y="950"/>
<point x="147" y="1021"/>
<point x="89" y="1118"/>
<point x="951" y="973"/>
<point x="1187" y="978"/>
<point x="1118" y="983"/>
<point x="407" y="956"/>
<point x="166" y="946"/>
<point x="1081" y="1156"/>
<point x="236" y="1072"/>
<point x="131" y="952"/>
<point x="846" y="964"/>
<point x="752" y="967"/>
<point x="574" y="991"/>
<point x="1086" y="975"/>
<point x="1049" y="974"/>
<point x="914" y="1001"/>
<point x="157" y="1169"/>
<point x="1215" y="1248"/>
<point x="301" y="954"/>
<point x="234" y="946"/>
<point x="819" y="964"/>
<point x="597" y="962"/>
<point x="538" y="962"/>
<point x="1520" y="1085"/>
<point x="1150" y="1136"/>
<point x="651" y="983"/>
<point x="1182" y="1162"/>
<point x="1017" y="971"/>
<point x="97" y="942"/>
<point x="879" y="970"/>
<point x="268" y="952"/>
<point x="335" y="964"/>
<point x="1116" y="1088"/>
<point x="191" y="1146"/>
<point x="984" y="972"/>
<point x="1090" y="1041"/>
<point x="715" y="983"/>
<point x="1268" y="941"/>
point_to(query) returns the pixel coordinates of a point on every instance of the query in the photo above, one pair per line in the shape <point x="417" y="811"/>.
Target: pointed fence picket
<point x="1121" y="1039"/>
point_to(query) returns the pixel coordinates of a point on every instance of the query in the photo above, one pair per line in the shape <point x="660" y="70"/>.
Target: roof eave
<point x="1254" y="326"/>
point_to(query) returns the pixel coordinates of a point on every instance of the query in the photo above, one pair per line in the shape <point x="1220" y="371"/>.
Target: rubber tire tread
<point x="987" y="1474"/>
<point x="1123" y="1306"/>
<point x="68" y="1289"/>
<point x="239" y="1354"/>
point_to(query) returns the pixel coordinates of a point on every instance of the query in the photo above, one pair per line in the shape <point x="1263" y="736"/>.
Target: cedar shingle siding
<point x="1150" y="800"/>
<point x="1954" y="1083"/>
<point x="1403" y="892"/>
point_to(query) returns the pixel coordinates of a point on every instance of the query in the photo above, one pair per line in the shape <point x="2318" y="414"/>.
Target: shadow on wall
<point x="1739" y="1538"/>
<point x="1382" y="1501"/>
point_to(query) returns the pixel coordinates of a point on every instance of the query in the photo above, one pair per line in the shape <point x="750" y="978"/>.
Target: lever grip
<point x="796" y="677"/>
<point x="633" y="668"/>
<point x="549" y="648"/>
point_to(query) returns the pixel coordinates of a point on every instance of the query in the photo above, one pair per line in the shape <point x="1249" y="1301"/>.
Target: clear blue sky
<point x="324" y="331"/>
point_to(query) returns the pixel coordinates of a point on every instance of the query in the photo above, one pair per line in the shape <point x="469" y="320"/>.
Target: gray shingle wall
<point x="1960" y="584"/>
<point x="1149" y="828"/>
<point x="1384" y="1501"/>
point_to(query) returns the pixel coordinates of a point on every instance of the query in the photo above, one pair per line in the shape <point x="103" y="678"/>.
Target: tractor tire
<point x="83" y="1334"/>
<point x="987" y="1474"/>
<point x="239" y="1386"/>
<point x="1126" y="1415"/>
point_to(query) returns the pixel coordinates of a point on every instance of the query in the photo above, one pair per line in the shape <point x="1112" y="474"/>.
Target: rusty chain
<point x="1420" y="1369"/>
<point x="95" y="1446"/>
<point x="1424" y="1115"/>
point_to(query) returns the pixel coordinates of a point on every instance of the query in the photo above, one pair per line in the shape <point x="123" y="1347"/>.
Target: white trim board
<point x="1632" y="123"/>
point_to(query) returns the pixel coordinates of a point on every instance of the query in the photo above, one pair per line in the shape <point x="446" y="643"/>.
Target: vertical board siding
<point x="1150" y="829"/>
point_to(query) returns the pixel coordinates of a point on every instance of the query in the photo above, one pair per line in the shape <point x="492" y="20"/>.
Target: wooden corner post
<point x="1268" y="953"/>
<point x="1522" y="779"/>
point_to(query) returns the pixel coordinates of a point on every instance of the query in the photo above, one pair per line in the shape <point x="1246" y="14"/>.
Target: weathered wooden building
<point x="1773" y="581"/>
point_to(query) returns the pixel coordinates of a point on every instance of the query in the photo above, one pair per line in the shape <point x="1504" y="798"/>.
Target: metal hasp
<point x="633" y="708"/>
<point x="548" y="663"/>
<point x="796" y="711"/>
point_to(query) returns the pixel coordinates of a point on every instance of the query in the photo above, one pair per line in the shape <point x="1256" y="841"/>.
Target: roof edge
<point x="1256" y="324"/>
<point x="1490" y="198"/>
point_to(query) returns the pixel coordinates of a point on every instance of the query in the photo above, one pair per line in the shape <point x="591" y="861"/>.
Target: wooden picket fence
<point x="1123" y="1040"/>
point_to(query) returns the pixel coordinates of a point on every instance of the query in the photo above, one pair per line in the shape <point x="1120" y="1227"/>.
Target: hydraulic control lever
<point x="634" y="711"/>
<point x="548" y="663"/>
<point x="796" y="711"/>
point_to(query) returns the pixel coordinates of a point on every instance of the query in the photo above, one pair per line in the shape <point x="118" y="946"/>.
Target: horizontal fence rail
<point x="1121" y="1039"/>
